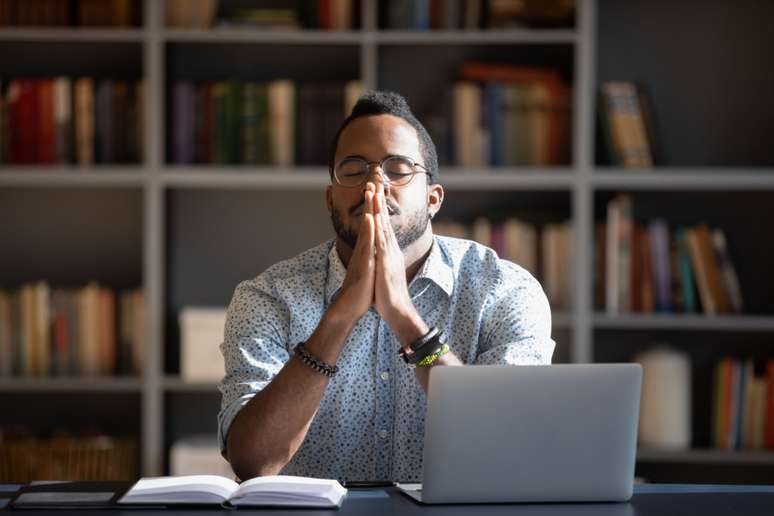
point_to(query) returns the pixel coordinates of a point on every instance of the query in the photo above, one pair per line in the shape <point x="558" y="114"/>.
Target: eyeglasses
<point x="395" y="170"/>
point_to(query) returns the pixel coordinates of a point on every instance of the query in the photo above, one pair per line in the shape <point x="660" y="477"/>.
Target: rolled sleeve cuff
<point x="226" y="417"/>
<point x="526" y="352"/>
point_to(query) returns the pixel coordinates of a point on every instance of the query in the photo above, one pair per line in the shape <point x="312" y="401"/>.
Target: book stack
<point x="648" y="268"/>
<point x="546" y="252"/>
<point x="478" y="14"/>
<point x="510" y="116"/>
<point x="743" y="405"/>
<point x="257" y="123"/>
<point x="87" y="331"/>
<point x="85" y="13"/>
<point x="63" y="121"/>
<point x="627" y="125"/>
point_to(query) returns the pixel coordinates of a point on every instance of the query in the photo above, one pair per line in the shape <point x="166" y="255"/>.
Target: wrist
<point x="408" y="327"/>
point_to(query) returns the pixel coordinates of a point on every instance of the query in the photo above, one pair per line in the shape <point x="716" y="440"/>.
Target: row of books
<point x="743" y="405"/>
<point x="65" y="120"/>
<point x="507" y="115"/>
<point x="275" y="123"/>
<point x="66" y="456"/>
<point x="628" y="130"/>
<point x="84" y="331"/>
<point x="545" y="251"/>
<point x="478" y="14"/>
<point x="84" y="13"/>
<point x="306" y="14"/>
<point x="648" y="268"/>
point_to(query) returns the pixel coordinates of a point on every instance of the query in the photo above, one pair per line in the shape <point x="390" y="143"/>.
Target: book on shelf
<point x="62" y="121"/>
<point x="743" y="404"/>
<point x="190" y="15"/>
<point x="626" y="120"/>
<point x="477" y="14"/>
<point x="256" y="123"/>
<point x="276" y="490"/>
<point x="59" y="13"/>
<point x="507" y="115"/>
<point x="647" y="267"/>
<point x="84" y="331"/>
<point x="201" y="333"/>
<point x="544" y="251"/>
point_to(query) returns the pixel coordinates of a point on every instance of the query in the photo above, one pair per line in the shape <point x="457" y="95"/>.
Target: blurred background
<point x="155" y="153"/>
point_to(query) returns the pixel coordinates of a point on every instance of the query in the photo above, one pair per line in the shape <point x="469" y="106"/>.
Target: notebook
<point x="277" y="490"/>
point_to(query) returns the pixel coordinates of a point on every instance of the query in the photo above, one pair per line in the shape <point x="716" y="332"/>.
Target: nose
<point x="375" y="169"/>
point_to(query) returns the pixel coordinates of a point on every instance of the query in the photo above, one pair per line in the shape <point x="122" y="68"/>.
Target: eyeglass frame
<point x="380" y="162"/>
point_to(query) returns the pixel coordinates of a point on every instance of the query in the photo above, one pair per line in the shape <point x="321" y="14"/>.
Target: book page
<point x="183" y="489"/>
<point x="285" y="490"/>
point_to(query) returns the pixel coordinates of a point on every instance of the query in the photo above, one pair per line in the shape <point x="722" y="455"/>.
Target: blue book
<point x="421" y="14"/>
<point x="686" y="272"/>
<point x="493" y="113"/>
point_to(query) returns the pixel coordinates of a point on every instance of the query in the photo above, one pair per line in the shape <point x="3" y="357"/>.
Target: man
<point x="315" y="384"/>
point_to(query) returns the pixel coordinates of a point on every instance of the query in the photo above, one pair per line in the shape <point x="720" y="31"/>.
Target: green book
<point x="233" y="110"/>
<point x="249" y="126"/>
<point x="686" y="272"/>
<point x="220" y="148"/>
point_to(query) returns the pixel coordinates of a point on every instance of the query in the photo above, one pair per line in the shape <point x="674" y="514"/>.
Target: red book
<point x="46" y="137"/>
<point x="769" y="436"/>
<point x="324" y="14"/>
<point x="23" y="109"/>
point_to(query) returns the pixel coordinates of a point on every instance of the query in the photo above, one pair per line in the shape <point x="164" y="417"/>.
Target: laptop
<point x="558" y="433"/>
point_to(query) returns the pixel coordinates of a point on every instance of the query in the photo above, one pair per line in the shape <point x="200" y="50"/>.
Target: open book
<point x="278" y="490"/>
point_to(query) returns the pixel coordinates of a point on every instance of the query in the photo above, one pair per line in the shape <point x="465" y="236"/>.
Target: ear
<point x="329" y="198"/>
<point x="434" y="198"/>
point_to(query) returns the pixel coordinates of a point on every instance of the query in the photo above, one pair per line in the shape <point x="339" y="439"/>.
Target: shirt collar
<point x="437" y="268"/>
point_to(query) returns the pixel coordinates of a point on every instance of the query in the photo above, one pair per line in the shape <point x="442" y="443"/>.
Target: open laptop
<point x="559" y="433"/>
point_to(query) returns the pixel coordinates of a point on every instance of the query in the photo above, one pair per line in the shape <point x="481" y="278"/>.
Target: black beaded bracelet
<point x="315" y="363"/>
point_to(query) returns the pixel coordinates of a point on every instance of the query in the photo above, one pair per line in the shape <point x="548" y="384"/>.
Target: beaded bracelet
<point x="315" y="363"/>
<point x="435" y="355"/>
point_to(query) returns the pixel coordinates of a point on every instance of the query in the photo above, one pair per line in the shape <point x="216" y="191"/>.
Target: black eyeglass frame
<point x="385" y="177"/>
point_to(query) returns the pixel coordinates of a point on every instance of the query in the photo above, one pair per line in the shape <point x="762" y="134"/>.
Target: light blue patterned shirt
<point x="370" y="424"/>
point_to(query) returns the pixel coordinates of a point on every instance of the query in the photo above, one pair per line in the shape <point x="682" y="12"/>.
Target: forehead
<point x="377" y="136"/>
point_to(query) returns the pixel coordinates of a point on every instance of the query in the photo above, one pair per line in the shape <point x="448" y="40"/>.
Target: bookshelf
<point x="185" y="219"/>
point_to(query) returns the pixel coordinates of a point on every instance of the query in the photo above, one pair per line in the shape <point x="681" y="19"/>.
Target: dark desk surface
<point x="648" y="500"/>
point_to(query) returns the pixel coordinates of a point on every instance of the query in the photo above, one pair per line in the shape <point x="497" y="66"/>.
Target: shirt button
<point x="383" y="434"/>
<point x="385" y="375"/>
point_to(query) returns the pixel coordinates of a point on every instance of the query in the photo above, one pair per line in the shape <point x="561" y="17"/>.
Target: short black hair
<point x="390" y="103"/>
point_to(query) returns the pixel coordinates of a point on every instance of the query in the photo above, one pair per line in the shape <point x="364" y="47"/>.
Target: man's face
<point x="373" y="138"/>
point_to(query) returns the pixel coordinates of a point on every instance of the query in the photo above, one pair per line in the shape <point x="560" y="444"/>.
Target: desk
<point x="648" y="500"/>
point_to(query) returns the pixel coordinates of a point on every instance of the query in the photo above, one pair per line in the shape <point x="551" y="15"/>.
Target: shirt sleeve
<point x="516" y="326"/>
<point x="254" y="349"/>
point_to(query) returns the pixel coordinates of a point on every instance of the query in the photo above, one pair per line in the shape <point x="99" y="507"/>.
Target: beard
<point x="406" y="234"/>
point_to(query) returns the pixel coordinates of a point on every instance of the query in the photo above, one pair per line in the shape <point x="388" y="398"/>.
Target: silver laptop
<point x="559" y="433"/>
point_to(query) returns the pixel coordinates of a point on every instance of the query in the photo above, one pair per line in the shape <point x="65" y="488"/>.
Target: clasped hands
<point x="376" y="274"/>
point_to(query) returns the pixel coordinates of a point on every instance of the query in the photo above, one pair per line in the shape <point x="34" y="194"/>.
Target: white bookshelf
<point x="161" y="185"/>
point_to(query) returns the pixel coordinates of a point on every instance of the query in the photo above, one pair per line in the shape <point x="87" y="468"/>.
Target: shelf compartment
<point x="120" y="60"/>
<point x="71" y="236"/>
<point x="711" y="94"/>
<point x="744" y="216"/>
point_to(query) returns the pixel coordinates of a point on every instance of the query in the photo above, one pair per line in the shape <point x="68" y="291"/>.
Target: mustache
<point x="391" y="206"/>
